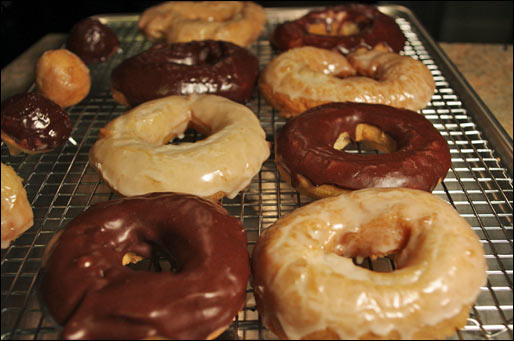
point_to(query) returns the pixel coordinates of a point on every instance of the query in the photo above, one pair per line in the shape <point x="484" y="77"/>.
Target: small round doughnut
<point x="63" y="77"/>
<point x="239" y="22"/>
<point x="17" y="215"/>
<point x="92" y="41"/>
<point x="343" y="27"/>
<point x="309" y="149"/>
<point x="133" y="157"/>
<point x="32" y="123"/>
<point x="308" y="288"/>
<point x="302" y="78"/>
<point x="199" y="67"/>
<point x="88" y="290"/>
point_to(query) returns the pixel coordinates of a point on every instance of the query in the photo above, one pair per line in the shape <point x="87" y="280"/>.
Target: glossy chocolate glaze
<point x="35" y="122"/>
<point x="374" y="28"/>
<point x="199" y="67"/>
<point x="92" y="41"/>
<point x="90" y="292"/>
<point x="305" y="143"/>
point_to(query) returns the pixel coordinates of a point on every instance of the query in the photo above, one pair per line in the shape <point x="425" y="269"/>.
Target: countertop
<point x="486" y="67"/>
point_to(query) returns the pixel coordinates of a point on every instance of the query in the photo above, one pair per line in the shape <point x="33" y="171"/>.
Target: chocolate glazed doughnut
<point x="92" y="41"/>
<point x="33" y="123"/>
<point x="342" y="27"/>
<point x="198" y="67"/>
<point x="89" y="291"/>
<point x="309" y="149"/>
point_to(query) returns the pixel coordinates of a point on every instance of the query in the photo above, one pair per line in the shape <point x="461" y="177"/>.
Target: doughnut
<point x="343" y="27"/>
<point x="200" y="67"/>
<point x="305" y="77"/>
<point x="17" y="215"/>
<point x="63" y="77"/>
<point x="239" y="22"/>
<point x="92" y="41"/>
<point x="309" y="150"/>
<point x="88" y="290"/>
<point x="32" y="123"/>
<point x="307" y="287"/>
<point x="133" y="158"/>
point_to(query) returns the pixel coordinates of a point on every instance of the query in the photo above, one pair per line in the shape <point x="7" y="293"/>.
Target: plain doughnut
<point x="307" y="287"/>
<point x="305" y="77"/>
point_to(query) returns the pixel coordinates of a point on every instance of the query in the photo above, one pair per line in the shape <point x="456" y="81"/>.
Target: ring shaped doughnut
<point x="309" y="149"/>
<point x="89" y="291"/>
<point x="307" y="288"/>
<point x="302" y="78"/>
<point x="342" y="27"/>
<point x="239" y="22"/>
<point x="199" y="67"/>
<point x="133" y="158"/>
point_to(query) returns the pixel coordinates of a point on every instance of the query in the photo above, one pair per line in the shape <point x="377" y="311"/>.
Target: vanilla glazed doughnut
<point x="63" y="77"/>
<point x="17" y="215"/>
<point x="239" y="22"/>
<point x="88" y="290"/>
<point x="307" y="287"/>
<point x="309" y="151"/>
<point x="133" y="158"/>
<point x="304" y="77"/>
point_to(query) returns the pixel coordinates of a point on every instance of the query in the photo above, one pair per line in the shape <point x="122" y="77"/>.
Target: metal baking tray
<point x="61" y="184"/>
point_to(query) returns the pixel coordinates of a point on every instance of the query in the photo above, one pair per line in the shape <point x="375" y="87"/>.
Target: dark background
<point x="24" y="23"/>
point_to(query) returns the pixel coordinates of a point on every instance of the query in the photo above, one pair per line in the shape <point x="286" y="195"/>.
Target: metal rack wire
<point x="61" y="184"/>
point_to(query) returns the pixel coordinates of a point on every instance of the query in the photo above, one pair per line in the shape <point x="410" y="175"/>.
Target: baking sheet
<point x="61" y="184"/>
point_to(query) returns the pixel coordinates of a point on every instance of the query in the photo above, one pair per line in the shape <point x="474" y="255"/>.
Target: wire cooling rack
<point x="61" y="184"/>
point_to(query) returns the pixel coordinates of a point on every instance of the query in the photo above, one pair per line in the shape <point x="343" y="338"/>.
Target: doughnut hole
<point x="370" y="137"/>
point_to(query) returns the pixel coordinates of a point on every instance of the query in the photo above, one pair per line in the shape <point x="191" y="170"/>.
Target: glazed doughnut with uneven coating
<point x="305" y="77"/>
<point x="343" y="27"/>
<point x="32" y="123"/>
<point x="307" y="286"/>
<point x="92" y="41"/>
<point x="133" y="157"/>
<point x="17" y="215"/>
<point x="63" y="77"/>
<point x="89" y="291"/>
<point x="309" y="150"/>
<point x="239" y="22"/>
<point x="200" y="67"/>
